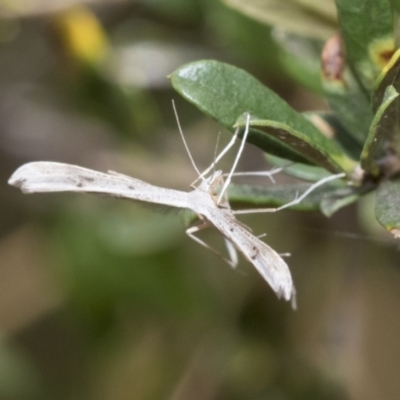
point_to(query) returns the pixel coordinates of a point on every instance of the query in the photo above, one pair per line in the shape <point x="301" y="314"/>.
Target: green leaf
<point x="367" y="30"/>
<point x="324" y="8"/>
<point x="345" y="95"/>
<point x="387" y="205"/>
<point x="317" y="148"/>
<point x="389" y="76"/>
<point x="328" y="198"/>
<point x="276" y="195"/>
<point x="396" y="20"/>
<point x="257" y="196"/>
<point x="382" y="125"/>
<point x="297" y="170"/>
<point x="225" y="92"/>
<point x="302" y="19"/>
<point x="396" y="5"/>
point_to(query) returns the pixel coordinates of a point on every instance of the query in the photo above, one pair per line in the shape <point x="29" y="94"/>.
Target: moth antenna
<point x="218" y="158"/>
<point x="183" y="139"/>
<point x="215" y="157"/>
<point x="216" y="151"/>
<point x="240" y="151"/>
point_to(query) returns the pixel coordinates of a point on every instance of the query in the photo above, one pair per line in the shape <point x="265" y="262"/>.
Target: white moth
<point x="57" y="177"/>
<point x="207" y="199"/>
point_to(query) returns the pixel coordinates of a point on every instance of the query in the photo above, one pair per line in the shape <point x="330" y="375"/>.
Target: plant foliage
<point x="358" y="74"/>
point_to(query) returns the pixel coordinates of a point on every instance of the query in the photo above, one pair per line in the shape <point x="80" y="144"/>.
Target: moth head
<point x="215" y="185"/>
<point x="215" y="182"/>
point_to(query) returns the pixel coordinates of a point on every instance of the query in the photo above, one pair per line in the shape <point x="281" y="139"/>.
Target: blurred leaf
<point x="301" y="58"/>
<point x="9" y="29"/>
<point x="101" y="273"/>
<point x="241" y="34"/>
<point x="387" y="205"/>
<point x="94" y="95"/>
<point x="395" y="4"/>
<point x="225" y="92"/>
<point x="367" y="29"/>
<point x="325" y="8"/>
<point x="34" y="8"/>
<point x="396" y="21"/>
<point x="83" y="50"/>
<point x="145" y="64"/>
<point x="287" y="15"/>
<point x="312" y="144"/>
<point x="143" y="233"/>
<point x="177" y="10"/>
<point x="382" y="125"/>
<point x="341" y="198"/>
<point x="345" y="95"/>
<point x="19" y="378"/>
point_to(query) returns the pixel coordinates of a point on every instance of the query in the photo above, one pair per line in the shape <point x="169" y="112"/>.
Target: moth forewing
<point x="43" y="176"/>
<point x="267" y="261"/>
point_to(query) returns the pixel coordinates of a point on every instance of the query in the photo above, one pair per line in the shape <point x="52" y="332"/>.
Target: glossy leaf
<point x="382" y="125"/>
<point x="387" y="205"/>
<point x="225" y="92"/>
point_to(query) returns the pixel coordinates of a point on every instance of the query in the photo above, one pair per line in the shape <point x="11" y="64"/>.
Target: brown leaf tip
<point x="333" y="59"/>
<point x="395" y="232"/>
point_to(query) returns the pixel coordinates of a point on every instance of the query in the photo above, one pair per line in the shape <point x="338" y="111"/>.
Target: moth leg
<point x="298" y="199"/>
<point x="255" y="210"/>
<point x="231" y="250"/>
<point x="270" y="174"/>
<point x="322" y="181"/>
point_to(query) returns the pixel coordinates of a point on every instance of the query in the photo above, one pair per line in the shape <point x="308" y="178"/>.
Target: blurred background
<point x="102" y="298"/>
